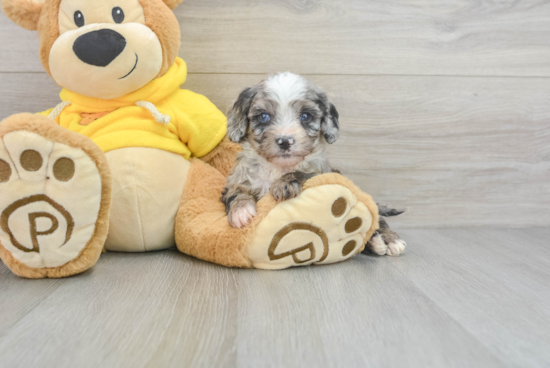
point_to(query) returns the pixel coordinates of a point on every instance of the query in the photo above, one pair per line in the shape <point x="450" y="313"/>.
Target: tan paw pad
<point x="51" y="195"/>
<point x="325" y="224"/>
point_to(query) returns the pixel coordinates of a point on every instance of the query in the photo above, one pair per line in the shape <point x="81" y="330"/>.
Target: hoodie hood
<point x="189" y="123"/>
<point x="154" y="92"/>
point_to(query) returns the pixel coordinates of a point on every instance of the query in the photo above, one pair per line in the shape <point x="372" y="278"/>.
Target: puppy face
<point x="284" y="118"/>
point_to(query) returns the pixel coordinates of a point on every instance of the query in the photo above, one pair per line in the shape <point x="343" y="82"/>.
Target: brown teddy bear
<point x="130" y="162"/>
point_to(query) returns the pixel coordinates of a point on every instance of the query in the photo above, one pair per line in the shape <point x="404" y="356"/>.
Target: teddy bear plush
<point x="128" y="161"/>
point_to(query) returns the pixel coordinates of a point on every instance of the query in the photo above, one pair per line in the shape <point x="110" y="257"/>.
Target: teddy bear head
<point x="101" y="48"/>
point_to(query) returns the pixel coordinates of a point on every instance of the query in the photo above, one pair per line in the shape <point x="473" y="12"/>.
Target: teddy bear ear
<point x="25" y="13"/>
<point x="173" y="4"/>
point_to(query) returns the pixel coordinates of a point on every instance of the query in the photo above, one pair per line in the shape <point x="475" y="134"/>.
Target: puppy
<point x="385" y="241"/>
<point x="284" y="125"/>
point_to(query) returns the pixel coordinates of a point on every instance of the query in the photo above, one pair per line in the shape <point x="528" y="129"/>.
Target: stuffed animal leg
<point x="56" y="194"/>
<point x="121" y="80"/>
<point x="329" y="222"/>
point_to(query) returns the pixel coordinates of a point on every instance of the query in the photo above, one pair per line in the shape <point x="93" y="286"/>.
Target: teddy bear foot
<point x="328" y="223"/>
<point x="54" y="201"/>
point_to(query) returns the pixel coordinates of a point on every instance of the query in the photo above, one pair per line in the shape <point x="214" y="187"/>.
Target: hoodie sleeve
<point x="201" y="126"/>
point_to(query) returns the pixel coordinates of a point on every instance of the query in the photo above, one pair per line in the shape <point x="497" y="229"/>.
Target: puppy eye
<point x="118" y="15"/>
<point x="78" y="18"/>
<point x="305" y="117"/>
<point x="264" y="118"/>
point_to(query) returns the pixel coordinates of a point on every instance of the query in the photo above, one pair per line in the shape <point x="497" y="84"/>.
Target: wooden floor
<point x="457" y="298"/>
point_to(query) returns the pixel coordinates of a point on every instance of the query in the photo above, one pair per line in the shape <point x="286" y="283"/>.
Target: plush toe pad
<point x="50" y="199"/>
<point x="325" y="224"/>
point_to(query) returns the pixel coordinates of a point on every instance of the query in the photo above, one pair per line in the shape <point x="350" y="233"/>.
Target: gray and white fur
<point x="284" y="125"/>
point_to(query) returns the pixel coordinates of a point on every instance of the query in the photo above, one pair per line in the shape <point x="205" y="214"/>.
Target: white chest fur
<point x="266" y="175"/>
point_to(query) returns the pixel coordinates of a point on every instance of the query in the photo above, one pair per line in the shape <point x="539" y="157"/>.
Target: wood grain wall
<point x="445" y="105"/>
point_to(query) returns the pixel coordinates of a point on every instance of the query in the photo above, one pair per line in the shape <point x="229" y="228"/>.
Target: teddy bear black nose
<point x="99" y="48"/>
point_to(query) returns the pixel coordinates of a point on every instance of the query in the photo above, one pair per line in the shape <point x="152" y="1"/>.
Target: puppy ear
<point x="330" y="125"/>
<point x="24" y="13"/>
<point x="173" y="4"/>
<point x="329" y="122"/>
<point x="237" y="121"/>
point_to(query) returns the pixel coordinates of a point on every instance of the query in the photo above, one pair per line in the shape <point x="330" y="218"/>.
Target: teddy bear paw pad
<point x="325" y="224"/>
<point x="50" y="199"/>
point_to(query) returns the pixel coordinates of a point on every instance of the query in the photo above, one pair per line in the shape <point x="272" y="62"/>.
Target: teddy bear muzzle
<point x="99" y="48"/>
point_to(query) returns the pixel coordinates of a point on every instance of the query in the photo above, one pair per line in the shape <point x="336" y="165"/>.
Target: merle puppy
<point x="284" y="124"/>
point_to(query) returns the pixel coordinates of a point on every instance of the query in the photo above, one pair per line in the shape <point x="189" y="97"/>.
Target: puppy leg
<point x="289" y="185"/>
<point x="240" y="206"/>
<point x="385" y="241"/>
<point x="242" y="211"/>
<point x="376" y="245"/>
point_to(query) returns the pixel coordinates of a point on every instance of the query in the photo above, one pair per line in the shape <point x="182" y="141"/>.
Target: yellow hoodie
<point x="195" y="125"/>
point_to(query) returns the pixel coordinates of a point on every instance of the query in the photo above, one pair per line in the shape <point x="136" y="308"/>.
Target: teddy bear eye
<point x="78" y="18"/>
<point x="118" y="15"/>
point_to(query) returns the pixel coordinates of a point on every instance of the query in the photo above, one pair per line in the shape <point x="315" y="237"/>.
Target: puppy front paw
<point x="241" y="216"/>
<point x="285" y="188"/>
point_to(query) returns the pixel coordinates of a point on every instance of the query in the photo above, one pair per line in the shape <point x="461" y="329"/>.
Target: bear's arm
<point x="223" y="156"/>
<point x="202" y="127"/>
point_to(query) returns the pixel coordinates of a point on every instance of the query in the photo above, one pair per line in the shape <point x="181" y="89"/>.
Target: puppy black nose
<point x="285" y="143"/>
<point x="99" y="48"/>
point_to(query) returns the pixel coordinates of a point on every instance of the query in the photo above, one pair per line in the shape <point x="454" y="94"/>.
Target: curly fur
<point x="281" y="154"/>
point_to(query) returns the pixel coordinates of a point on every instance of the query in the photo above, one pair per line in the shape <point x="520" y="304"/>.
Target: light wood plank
<point x="498" y="295"/>
<point x="455" y="151"/>
<point x="167" y="310"/>
<point x="421" y="37"/>
<point x="27" y="92"/>
<point x="18" y="297"/>
<point x="457" y="297"/>
<point x="125" y="311"/>
<point x="18" y="48"/>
